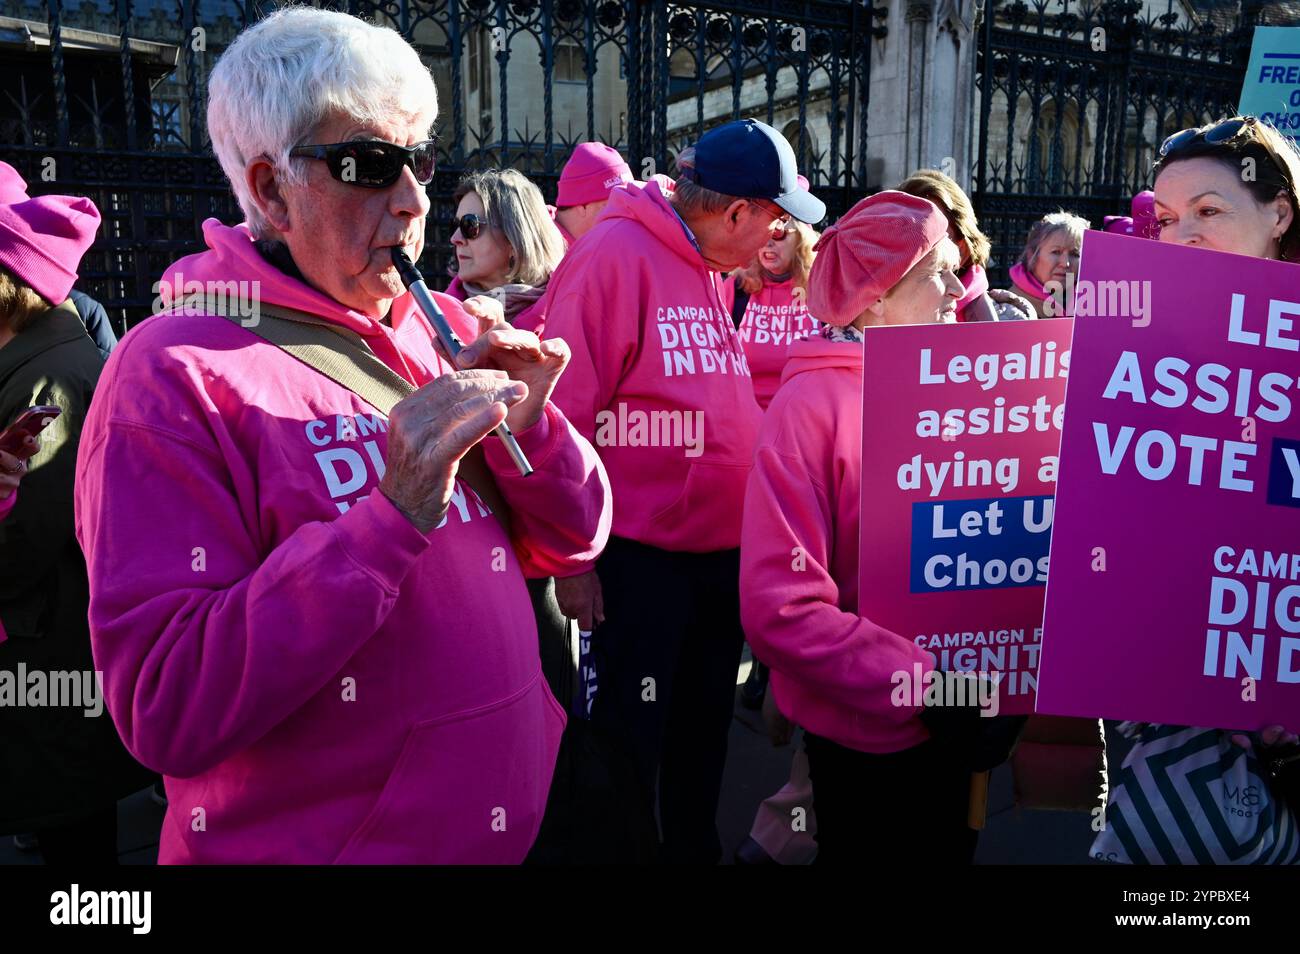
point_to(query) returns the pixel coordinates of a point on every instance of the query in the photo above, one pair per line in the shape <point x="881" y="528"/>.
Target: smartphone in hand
<point x="30" y="422"/>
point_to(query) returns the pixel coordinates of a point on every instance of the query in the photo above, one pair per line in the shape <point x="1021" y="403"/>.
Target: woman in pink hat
<point x="65" y="765"/>
<point x="885" y="785"/>
<point x="978" y="302"/>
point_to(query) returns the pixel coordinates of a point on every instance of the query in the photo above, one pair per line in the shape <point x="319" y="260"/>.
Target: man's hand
<point x="538" y="364"/>
<point x="432" y="429"/>
<point x="487" y="310"/>
<point x="580" y="598"/>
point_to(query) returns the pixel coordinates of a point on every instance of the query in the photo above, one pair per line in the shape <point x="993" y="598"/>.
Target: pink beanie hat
<point x="591" y="173"/>
<point x="865" y="254"/>
<point x="42" y="239"/>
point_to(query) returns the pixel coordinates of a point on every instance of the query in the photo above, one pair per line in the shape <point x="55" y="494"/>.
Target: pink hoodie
<point x="317" y="680"/>
<point x="774" y="317"/>
<point x="656" y="361"/>
<point x="831" y="668"/>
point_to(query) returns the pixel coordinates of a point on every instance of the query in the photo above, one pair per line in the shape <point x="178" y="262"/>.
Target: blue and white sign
<point x="1272" y="87"/>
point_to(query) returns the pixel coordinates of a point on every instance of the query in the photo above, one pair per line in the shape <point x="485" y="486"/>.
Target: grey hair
<point x="692" y="199"/>
<point x="285" y="74"/>
<point x="515" y="205"/>
<point x="1046" y="227"/>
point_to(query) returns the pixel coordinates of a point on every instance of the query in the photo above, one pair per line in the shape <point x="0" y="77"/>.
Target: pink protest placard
<point x="1175" y="575"/>
<point x="960" y="432"/>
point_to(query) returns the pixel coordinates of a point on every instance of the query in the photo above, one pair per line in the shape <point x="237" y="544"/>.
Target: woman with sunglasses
<point x="1202" y="200"/>
<point x="978" y="302"/>
<point x="310" y="612"/>
<point x="506" y="244"/>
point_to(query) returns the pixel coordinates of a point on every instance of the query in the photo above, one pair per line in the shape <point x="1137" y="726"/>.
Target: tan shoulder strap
<point x="343" y="356"/>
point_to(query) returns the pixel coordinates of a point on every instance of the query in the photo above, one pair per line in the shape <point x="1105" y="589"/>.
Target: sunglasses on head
<point x="470" y="225"/>
<point x="373" y="163"/>
<point x="1219" y="132"/>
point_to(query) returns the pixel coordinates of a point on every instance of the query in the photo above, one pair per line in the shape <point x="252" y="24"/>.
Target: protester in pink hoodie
<point x="772" y="292"/>
<point x="880" y="787"/>
<point x="307" y="619"/>
<point x="593" y="172"/>
<point x="660" y="383"/>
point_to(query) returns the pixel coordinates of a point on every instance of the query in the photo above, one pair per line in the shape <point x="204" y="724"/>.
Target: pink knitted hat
<point x="591" y="173"/>
<point x="868" y="251"/>
<point x="42" y="239"/>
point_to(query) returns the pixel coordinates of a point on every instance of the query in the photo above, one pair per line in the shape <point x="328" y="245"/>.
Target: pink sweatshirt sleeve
<point x="205" y="642"/>
<point x="789" y="602"/>
<point x="560" y="515"/>
<point x="8" y="504"/>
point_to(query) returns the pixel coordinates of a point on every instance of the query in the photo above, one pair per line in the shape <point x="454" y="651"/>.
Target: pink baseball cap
<point x="867" y="252"/>
<point x="591" y="173"/>
<point x="42" y="240"/>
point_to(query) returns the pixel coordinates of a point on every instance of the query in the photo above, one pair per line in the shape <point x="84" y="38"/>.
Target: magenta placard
<point x="960" y="436"/>
<point x="1174" y="593"/>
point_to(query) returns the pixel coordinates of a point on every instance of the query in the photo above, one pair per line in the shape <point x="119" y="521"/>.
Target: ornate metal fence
<point x="107" y="99"/>
<point x="1077" y="95"/>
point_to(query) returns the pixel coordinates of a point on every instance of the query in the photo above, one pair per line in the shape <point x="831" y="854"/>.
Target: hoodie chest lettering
<point x="698" y="340"/>
<point x="349" y="451"/>
<point x="767" y="324"/>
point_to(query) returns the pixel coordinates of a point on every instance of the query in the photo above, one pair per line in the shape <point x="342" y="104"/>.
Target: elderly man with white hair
<point x="310" y="612"/>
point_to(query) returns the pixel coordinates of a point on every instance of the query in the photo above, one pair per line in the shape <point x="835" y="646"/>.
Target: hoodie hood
<point x="649" y="205"/>
<point x="814" y="352"/>
<point x="232" y="255"/>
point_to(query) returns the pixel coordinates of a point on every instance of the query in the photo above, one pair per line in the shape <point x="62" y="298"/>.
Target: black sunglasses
<point x="1219" y="132"/>
<point x="470" y="225"/>
<point x="373" y="163"/>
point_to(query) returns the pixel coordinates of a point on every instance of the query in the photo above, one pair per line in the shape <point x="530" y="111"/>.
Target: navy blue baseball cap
<point x="751" y="160"/>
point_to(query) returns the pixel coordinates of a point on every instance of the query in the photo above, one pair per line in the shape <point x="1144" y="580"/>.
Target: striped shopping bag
<point x="1187" y="796"/>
